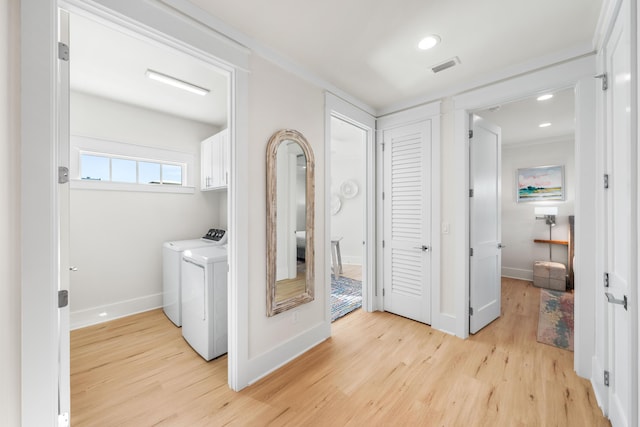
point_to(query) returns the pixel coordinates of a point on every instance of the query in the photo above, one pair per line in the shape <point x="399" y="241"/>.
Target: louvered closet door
<point x="407" y="221"/>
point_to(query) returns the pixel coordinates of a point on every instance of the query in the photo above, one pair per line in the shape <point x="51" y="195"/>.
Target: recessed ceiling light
<point x="180" y="84"/>
<point x="545" y="97"/>
<point x="544" y="125"/>
<point x="429" y="42"/>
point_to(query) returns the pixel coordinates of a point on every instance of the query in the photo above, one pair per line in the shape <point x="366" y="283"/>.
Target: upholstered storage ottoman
<point x="550" y="275"/>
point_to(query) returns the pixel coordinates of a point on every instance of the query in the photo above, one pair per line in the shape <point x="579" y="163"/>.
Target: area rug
<point x="555" y="321"/>
<point x="346" y="296"/>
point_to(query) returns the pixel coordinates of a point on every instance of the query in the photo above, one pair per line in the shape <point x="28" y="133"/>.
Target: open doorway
<point x="136" y="162"/>
<point x="537" y="210"/>
<point x="348" y="216"/>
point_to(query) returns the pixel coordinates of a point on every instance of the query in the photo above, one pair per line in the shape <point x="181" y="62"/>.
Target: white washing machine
<point x="204" y="300"/>
<point x="171" y="265"/>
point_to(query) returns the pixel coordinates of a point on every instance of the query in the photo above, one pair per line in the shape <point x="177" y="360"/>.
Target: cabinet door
<point x="206" y="165"/>
<point x="214" y="161"/>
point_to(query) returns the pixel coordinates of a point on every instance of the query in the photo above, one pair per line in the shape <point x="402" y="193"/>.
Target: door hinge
<point x="471" y="134"/>
<point x="63" y="51"/>
<point x="606" y="181"/>
<point x="606" y="378"/>
<point x="383" y="146"/>
<point x="605" y="80"/>
<point x="470" y="251"/>
<point x="63" y="174"/>
<point x="606" y="280"/>
<point x="382" y="291"/>
<point x="471" y="192"/>
<point x="383" y="195"/>
<point x="470" y="311"/>
<point x="63" y="298"/>
<point x="383" y="243"/>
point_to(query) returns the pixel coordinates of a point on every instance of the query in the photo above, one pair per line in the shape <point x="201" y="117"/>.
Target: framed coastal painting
<point x="540" y="183"/>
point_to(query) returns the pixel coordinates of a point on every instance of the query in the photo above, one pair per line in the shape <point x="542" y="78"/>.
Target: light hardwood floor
<point x="376" y="370"/>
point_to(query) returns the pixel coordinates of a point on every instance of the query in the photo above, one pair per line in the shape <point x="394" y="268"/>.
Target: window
<point x="110" y="165"/>
<point x="102" y="167"/>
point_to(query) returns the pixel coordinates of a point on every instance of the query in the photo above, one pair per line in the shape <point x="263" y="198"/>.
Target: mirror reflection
<point x="289" y="221"/>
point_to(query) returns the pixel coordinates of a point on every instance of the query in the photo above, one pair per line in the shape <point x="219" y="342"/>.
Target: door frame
<point x="431" y="111"/>
<point x="40" y="233"/>
<point x="579" y="75"/>
<point x="343" y="110"/>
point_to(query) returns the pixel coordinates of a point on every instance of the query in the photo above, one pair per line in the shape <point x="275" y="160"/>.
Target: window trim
<point x="115" y="149"/>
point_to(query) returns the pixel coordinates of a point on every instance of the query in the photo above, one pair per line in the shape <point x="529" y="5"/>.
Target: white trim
<point x="608" y="11"/>
<point x="272" y="360"/>
<point x="336" y="107"/>
<point x="517" y="273"/>
<point x="83" y="184"/>
<point x="560" y="76"/>
<point x="107" y="312"/>
<point x="541" y="141"/>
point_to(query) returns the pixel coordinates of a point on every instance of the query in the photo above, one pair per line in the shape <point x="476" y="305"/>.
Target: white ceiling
<point x="519" y="120"/>
<point x="369" y="48"/>
<point x="366" y="49"/>
<point x="109" y="63"/>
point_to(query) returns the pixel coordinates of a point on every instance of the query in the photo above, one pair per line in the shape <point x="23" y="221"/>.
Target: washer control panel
<point x="216" y="235"/>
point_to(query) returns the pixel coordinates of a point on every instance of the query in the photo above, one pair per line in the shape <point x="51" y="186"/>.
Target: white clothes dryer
<point x="204" y="300"/>
<point x="171" y="265"/>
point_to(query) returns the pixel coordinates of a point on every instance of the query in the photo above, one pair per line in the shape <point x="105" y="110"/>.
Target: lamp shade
<point x="546" y="210"/>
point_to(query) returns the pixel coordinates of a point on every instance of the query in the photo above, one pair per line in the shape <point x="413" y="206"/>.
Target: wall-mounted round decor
<point x="349" y="189"/>
<point x="336" y="204"/>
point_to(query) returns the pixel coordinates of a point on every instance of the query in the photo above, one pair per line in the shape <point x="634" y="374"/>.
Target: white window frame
<point x="139" y="153"/>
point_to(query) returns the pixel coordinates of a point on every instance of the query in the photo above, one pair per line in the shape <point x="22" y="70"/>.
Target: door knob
<point x="73" y="268"/>
<point x="500" y="246"/>
<point x="613" y="300"/>
<point x="423" y="248"/>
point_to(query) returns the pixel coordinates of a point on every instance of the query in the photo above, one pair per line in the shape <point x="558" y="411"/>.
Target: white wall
<point x="117" y="236"/>
<point x="348" y="163"/>
<point x="519" y="226"/>
<point x="280" y="100"/>
<point x="9" y="215"/>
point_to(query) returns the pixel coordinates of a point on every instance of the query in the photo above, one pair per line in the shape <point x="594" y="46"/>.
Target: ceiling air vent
<point x="446" y="64"/>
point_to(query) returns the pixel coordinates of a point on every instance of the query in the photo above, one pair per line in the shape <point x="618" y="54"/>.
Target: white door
<point x="64" y="400"/>
<point x="620" y="199"/>
<point x="407" y="221"/>
<point x="484" y="223"/>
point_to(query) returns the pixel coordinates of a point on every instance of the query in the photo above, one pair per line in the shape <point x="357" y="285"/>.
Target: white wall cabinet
<point x="214" y="158"/>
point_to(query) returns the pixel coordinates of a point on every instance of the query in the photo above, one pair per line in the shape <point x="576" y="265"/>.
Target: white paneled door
<point x="484" y="223"/>
<point x="64" y="386"/>
<point x="620" y="199"/>
<point x="407" y="220"/>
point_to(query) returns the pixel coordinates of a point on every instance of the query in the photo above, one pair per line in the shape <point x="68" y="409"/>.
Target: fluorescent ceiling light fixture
<point x="180" y="84"/>
<point x="544" y="125"/>
<point x="429" y="42"/>
<point x="545" y="97"/>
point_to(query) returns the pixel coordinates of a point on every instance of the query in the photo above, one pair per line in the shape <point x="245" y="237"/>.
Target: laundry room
<point x="137" y="170"/>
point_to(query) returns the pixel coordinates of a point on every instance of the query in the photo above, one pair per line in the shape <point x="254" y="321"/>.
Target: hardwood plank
<point x="376" y="369"/>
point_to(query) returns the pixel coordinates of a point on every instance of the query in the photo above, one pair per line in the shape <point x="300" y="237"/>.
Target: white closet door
<point x="621" y="231"/>
<point x="407" y="221"/>
<point x="484" y="224"/>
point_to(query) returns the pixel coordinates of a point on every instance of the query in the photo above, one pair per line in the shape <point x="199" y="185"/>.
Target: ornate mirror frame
<point x="274" y="307"/>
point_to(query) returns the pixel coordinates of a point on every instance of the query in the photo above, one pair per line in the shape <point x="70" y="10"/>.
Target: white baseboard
<point x="445" y="323"/>
<point x="357" y="260"/>
<point x="275" y="358"/>
<point x="104" y="313"/>
<point x="517" y="273"/>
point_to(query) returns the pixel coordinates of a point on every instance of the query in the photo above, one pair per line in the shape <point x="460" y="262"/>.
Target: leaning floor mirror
<point x="290" y="228"/>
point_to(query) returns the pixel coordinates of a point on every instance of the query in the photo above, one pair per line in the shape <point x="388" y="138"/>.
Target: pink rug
<point x="555" y="321"/>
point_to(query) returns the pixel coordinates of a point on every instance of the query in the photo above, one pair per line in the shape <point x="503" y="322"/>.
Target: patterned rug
<point x="346" y="296"/>
<point x="555" y="321"/>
